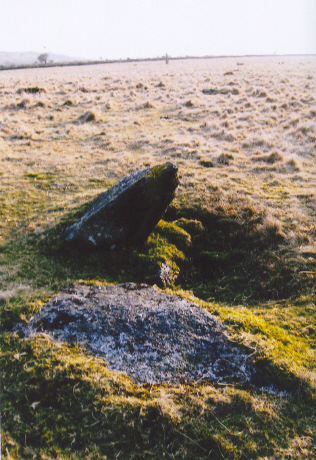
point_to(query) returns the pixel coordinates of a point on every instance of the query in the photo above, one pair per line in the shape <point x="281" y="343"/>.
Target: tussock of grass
<point x="207" y="163"/>
<point x="225" y="158"/>
<point x="87" y="117"/>
<point x="239" y="256"/>
<point x="147" y="105"/>
<point x="274" y="157"/>
<point x="31" y="90"/>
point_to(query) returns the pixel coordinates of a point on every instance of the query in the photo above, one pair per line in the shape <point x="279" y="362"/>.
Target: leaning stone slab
<point x="150" y="335"/>
<point x="128" y="212"/>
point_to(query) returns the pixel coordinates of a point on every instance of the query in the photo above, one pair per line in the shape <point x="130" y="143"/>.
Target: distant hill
<point x="29" y="58"/>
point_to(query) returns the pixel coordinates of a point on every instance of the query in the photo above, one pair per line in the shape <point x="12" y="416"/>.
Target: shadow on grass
<point x="219" y="255"/>
<point x="234" y="255"/>
<point x="60" y="403"/>
<point x="242" y="256"/>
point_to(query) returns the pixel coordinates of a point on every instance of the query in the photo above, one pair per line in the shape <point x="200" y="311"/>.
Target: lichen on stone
<point x="152" y="336"/>
<point x="126" y="214"/>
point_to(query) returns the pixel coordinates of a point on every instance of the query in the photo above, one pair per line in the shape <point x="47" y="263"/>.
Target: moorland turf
<point x="240" y="236"/>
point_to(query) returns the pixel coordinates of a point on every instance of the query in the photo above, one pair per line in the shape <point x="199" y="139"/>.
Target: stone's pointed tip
<point x="169" y="164"/>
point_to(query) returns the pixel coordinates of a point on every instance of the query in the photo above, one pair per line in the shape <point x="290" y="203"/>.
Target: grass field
<point x="240" y="234"/>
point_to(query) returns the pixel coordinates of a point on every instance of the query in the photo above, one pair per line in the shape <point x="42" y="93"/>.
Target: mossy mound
<point x="192" y="226"/>
<point x="174" y="234"/>
<point x="168" y="244"/>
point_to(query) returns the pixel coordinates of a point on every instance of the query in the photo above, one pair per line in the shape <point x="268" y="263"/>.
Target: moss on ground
<point x="61" y="403"/>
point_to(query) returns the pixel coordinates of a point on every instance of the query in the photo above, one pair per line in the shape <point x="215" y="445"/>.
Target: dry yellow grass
<point x="147" y="113"/>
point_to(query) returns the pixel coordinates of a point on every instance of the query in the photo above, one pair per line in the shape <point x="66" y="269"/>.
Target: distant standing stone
<point x="128" y="212"/>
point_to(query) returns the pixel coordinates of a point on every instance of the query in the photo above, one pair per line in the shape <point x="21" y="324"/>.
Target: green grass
<point x="66" y="404"/>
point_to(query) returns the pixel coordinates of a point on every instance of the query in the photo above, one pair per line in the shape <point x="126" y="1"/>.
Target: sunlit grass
<point x="65" y="404"/>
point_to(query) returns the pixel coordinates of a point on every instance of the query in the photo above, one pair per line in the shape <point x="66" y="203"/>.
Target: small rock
<point x="166" y="276"/>
<point x="225" y="158"/>
<point x="189" y="104"/>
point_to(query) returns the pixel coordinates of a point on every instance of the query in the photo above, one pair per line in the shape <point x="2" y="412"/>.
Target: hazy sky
<point x="148" y="28"/>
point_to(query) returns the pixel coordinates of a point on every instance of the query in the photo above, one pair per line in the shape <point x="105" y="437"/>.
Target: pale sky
<point x="114" y="29"/>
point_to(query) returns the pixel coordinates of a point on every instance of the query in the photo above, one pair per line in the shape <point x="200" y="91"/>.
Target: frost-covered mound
<point x="150" y="335"/>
